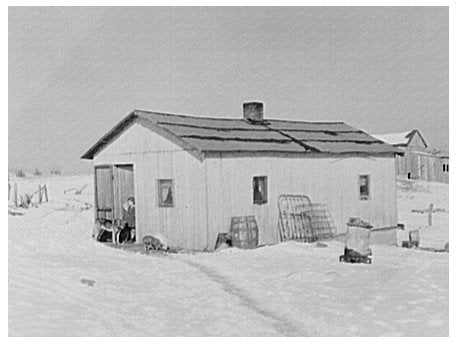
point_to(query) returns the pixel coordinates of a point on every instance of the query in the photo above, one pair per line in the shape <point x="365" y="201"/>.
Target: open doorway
<point x="115" y="203"/>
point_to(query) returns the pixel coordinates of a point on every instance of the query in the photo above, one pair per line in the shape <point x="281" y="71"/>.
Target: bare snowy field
<point x="290" y="289"/>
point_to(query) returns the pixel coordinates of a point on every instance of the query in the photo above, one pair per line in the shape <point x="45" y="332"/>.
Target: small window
<point x="165" y="188"/>
<point x="444" y="168"/>
<point x="259" y="187"/>
<point x="447" y="168"/>
<point x="364" y="187"/>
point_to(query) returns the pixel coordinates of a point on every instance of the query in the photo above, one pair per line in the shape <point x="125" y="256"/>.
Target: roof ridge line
<point x="186" y="115"/>
<point x="235" y="119"/>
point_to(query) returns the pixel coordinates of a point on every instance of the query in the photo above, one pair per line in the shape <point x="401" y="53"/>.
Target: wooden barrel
<point x="244" y="232"/>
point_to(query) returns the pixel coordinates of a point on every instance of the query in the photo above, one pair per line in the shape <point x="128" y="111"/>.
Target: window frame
<point x="264" y="182"/>
<point x="368" y="195"/>
<point x="160" y="202"/>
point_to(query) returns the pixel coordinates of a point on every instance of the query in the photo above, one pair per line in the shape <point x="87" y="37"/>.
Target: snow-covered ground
<point x="290" y="289"/>
<point x="418" y="195"/>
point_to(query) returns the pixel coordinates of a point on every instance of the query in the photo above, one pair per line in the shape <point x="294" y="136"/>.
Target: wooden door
<point x="124" y="187"/>
<point x="104" y="208"/>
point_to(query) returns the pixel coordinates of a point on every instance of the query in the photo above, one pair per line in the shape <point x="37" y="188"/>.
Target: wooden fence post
<point x="40" y="194"/>
<point x="430" y="212"/>
<point x="46" y="193"/>
<point x="15" y="194"/>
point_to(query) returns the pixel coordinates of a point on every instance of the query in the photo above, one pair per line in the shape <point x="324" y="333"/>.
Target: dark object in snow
<point x="406" y="244"/>
<point x="223" y="239"/>
<point x="26" y="201"/>
<point x="76" y="190"/>
<point x="244" y="232"/>
<point x="88" y="282"/>
<point x="321" y="245"/>
<point x="432" y="249"/>
<point x="19" y="173"/>
<point x="12" y="213"/>
<point x="414" y="238"/>
<point x="351" y="256"/>
<point x="357" y="247"/>
<point x="357" y="222"/>
<point x="152" y="243"/>
<point x="400" y="226"/>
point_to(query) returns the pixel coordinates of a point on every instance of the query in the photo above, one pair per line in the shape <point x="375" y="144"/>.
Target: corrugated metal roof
<point x="212" y="135"/>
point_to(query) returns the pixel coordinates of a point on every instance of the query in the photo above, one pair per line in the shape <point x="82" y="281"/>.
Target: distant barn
<point x="190" y="175"/>
<point x="419" y="161"/>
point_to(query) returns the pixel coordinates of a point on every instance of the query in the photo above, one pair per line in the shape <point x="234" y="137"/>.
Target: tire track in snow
<point x="281" y="325"/>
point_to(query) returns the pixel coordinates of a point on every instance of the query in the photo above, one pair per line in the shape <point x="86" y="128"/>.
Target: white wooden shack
<point x="419" y="161"/>
<point x="190" y="175"/>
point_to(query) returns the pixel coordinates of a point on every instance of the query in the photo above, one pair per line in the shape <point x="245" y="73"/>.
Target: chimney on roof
<point x="253" y="112"/>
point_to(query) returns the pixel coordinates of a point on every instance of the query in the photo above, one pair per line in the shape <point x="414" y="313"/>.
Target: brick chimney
<point x="253" y="112"/>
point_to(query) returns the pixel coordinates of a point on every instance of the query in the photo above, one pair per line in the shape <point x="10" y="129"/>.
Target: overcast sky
<point x="75" y="72"/>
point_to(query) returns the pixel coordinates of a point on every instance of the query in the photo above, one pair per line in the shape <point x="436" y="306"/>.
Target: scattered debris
<point x="76" y="190"/>
<point x="88" y="282"/>
<point x="414" y="240"/>
<point x="321" y="245"/>
<point x="12" y="213"/>
<point x="223" y="241"/>
<point x="432" y="249"/>
<point x="26" y="201"/>
<point x="19" y="173"/>
<point x="415" y="244"/>
<point x="406" y="244"/>
<point x="75" y="205"/>
<point x="357" y="222"/>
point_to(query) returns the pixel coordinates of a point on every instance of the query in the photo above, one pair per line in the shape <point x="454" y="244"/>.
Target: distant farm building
<point x="190" y="175"/>
<point x="419" y="161"/>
